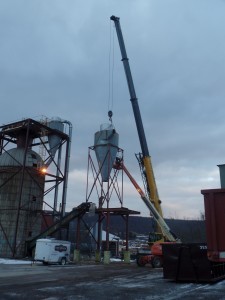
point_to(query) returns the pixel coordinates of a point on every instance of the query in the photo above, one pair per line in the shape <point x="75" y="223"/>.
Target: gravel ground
<point x="98" y="281"/>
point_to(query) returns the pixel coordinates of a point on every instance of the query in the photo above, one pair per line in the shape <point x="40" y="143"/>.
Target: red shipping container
<point x="214" y="200"/>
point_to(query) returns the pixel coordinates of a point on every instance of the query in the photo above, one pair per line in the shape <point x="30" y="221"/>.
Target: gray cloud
<point x="54" y="61"/>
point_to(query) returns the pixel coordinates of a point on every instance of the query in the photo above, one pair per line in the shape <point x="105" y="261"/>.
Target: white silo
<point x="106" y="147"/>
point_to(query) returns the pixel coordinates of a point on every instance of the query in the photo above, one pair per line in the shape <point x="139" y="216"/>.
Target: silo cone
<point x="106" y="147"/>
<point x="54" y="140"/>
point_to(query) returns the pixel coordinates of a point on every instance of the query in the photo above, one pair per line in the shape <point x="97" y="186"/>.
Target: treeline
<point x="187" y="231"/>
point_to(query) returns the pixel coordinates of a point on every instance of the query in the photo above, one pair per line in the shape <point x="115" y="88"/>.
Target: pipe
<point x="66" y="170"/>
<point x="57" y="175"/>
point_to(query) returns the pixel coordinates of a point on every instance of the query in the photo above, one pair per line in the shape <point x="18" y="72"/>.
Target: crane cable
<point x="111" y="73"/>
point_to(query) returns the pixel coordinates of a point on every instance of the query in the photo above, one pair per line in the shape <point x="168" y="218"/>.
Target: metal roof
<point x="15" y="157"/>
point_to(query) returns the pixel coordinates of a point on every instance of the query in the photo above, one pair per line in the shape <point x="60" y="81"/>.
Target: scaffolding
<point x="104" y="195"/>
<point x="29" y="172"/>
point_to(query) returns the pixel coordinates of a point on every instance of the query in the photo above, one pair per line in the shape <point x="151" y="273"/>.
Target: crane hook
<point x="110" y="114"/>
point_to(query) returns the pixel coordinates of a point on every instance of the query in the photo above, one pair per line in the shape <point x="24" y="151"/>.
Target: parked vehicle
<point x="52" y="251"/>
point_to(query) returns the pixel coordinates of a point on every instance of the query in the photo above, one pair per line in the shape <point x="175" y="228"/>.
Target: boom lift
<point x="155" y="257"/>
<point x="144" y="157"/>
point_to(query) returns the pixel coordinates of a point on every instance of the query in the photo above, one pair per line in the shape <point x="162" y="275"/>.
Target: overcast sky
<point x="54" y="61"/>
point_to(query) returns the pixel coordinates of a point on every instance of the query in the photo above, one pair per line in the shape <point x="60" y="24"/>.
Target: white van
<point x="52" y="251"/>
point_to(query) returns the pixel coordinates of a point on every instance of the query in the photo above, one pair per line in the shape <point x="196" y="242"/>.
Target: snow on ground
<point x="5" y="261"/>
<point x="9" y="261"/>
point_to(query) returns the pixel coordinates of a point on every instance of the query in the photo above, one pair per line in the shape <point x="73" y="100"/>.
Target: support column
<point x="76" y="255"/>
<point x="99" y="240"/>
<point x="126" y="253"/>
<point x="97" y="256"/>
<point x="106" y="257"/>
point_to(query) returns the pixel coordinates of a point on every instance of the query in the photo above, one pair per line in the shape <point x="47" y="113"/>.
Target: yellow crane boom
<point x="144" y="158"/>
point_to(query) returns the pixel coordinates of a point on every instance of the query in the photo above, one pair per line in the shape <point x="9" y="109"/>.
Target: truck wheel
<point x="63" y="261"/>
<point x="140" y="261"/>
<point x="157" y="262"/>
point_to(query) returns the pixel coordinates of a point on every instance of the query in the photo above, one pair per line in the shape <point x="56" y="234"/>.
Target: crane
<point x="144" y="157"/>
<point x="163" y="234"/>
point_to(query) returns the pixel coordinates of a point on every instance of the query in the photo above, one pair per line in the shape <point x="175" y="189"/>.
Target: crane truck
<point x="144" y="159"/>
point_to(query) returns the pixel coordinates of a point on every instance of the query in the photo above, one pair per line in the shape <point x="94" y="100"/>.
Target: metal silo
<point x="24" y="182"/>
<point x="53" y="139"/>
<point x="21" y="199"/>
<point x="106" y="146"/>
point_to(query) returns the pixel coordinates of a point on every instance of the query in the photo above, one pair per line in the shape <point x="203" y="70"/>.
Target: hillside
<point x="186" y="230"/>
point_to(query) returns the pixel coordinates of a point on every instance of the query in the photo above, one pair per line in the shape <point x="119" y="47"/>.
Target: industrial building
<point x="34" y="161"/>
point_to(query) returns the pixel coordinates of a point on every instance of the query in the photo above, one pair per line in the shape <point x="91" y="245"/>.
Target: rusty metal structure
<point x="105" y="184"/>
<point x="34" y="162"/>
